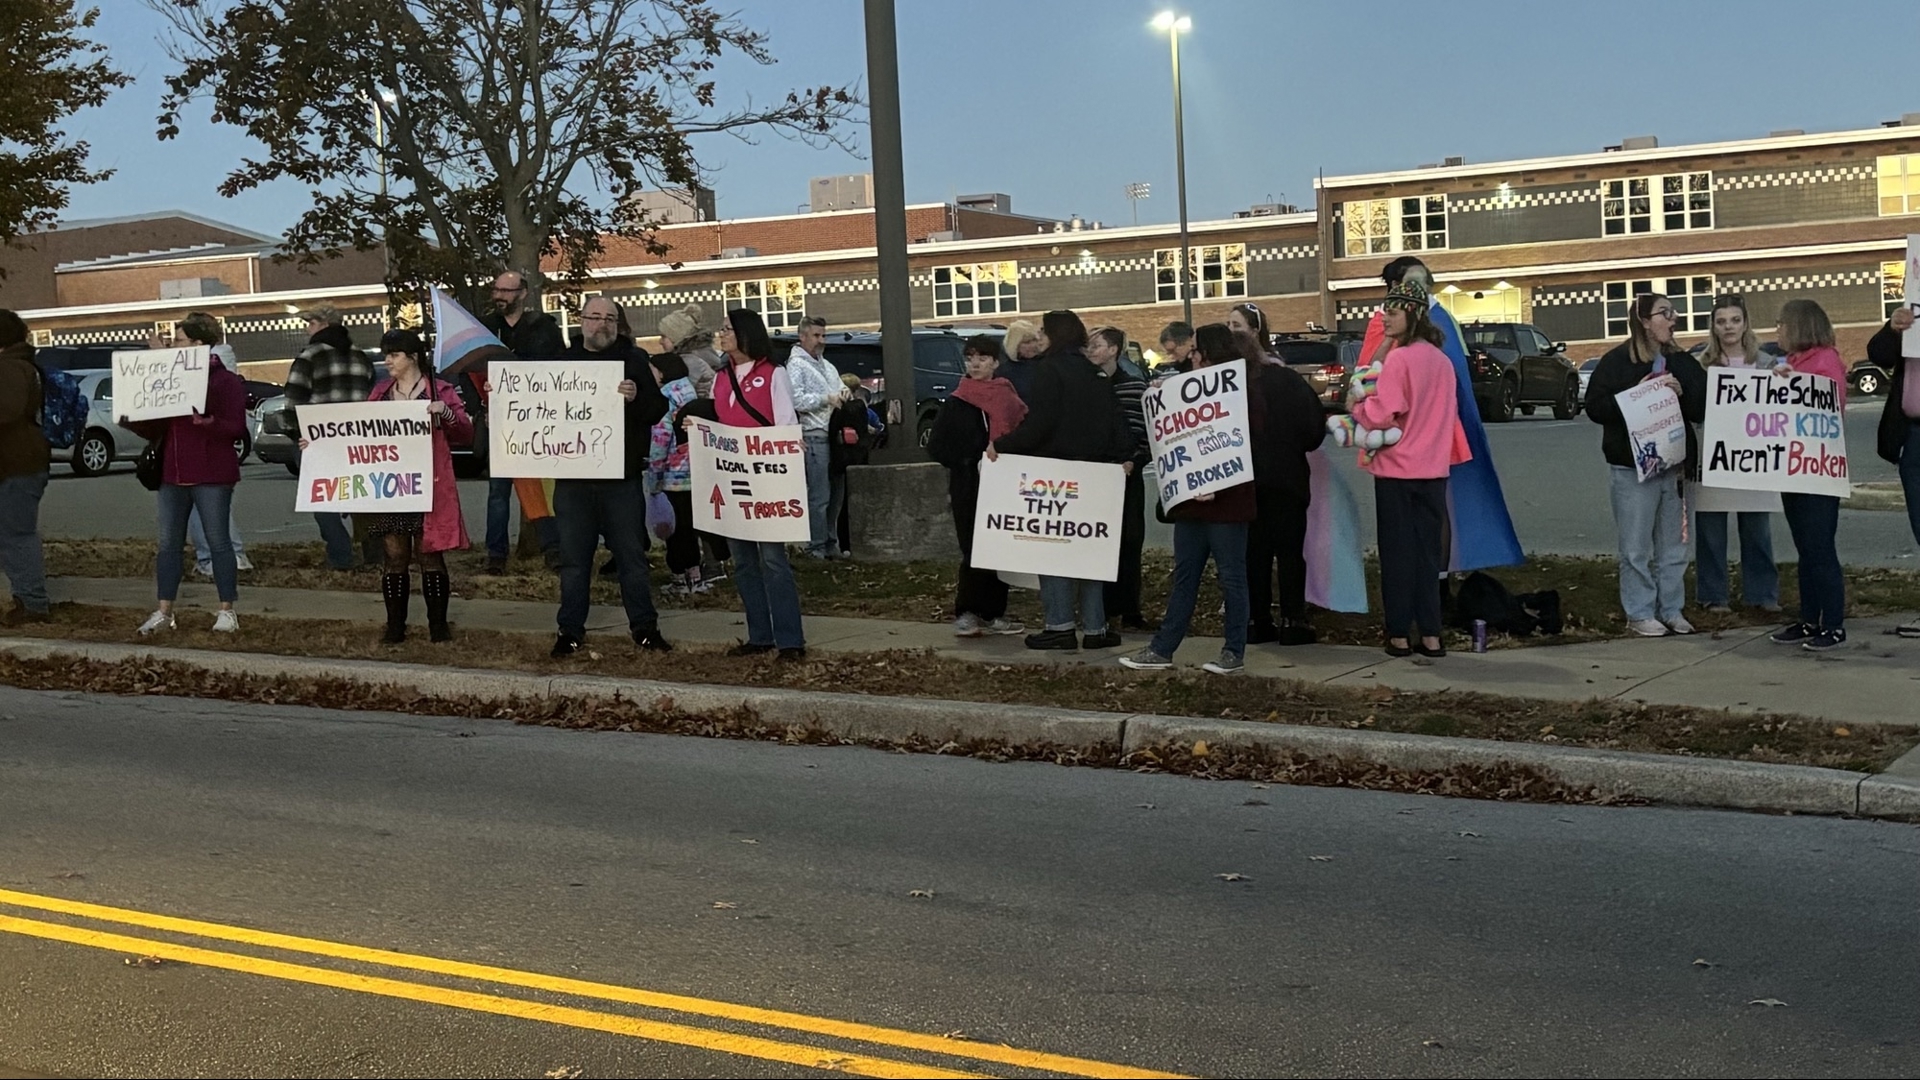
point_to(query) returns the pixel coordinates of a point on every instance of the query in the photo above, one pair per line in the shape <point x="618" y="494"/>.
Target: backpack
<point x="1482" y="596"/>
<point x="63" y="408"/>
<point x="849" y="438"/>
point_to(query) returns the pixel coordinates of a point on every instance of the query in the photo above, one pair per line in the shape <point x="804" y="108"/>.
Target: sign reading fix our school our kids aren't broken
<point x="1197" y="425"/>
<point x="372" y="457"/>
<point x="1049" y="516"/>
<point x="749" y="483"/>
<point x="1767" y="432"/>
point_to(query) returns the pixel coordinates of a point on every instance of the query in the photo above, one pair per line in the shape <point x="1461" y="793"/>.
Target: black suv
<point x="937" y="365"/>
<point x="1514" y="366"/>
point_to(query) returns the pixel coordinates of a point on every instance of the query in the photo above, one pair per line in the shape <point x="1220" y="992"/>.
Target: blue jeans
<point x="20" y="555"/>
<point x="1653" y="555"/>
<point x="1759" y="578"/>
<point x="586" y="510"/>
<point x="197" y="536"/>
<point x="499" y="514"/>
<point x="338" y="538"/>
<point x="1814" y="520"/>
<point x="1056" y="599"/>
<point x="1910" y="471"/>
<point x="767" y="592"/>
<point x="215" y="503"/>
<point x="822" y="528"/>
<point x="1193" y="543"/>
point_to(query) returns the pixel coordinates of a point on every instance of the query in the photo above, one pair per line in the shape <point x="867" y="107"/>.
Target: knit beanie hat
<point x="678" y="326"/>
<point x="1408" y="296"/>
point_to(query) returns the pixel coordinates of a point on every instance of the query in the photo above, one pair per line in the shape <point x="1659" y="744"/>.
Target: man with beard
<point x="532" y="335"/>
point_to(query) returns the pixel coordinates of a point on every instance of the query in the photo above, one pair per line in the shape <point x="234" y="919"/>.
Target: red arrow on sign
<point x="717" y="500"/>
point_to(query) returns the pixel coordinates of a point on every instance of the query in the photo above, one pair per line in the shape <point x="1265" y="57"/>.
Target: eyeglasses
<point x="600" y="318"/>
<point x="1661" y="313"/>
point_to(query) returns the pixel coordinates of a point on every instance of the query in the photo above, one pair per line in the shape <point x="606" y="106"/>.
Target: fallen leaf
<point x="1200" y="748"/>
<point x="1705" y="963"/>
<point x="1434" y="1043"/>
<point x="1145" y="806"/>
<point x="591" y="655"/>
<point x="1470" y="832"/>
<point x="725" y="905"/>
<point x="1256" y="802"/>
<point x="1321" y="858"/>
<point x="1842" y="732"/>
<point x="564" y="1072"/>
<point x="1259" y="787"/>
<point x="1233" y="877"/>
<point x="954" y="1034"/>
<point x="920" y="894"/>
<point x="143" y="961"/>
<point x="1771" y="1003"/>
<point x="749" y="841"/>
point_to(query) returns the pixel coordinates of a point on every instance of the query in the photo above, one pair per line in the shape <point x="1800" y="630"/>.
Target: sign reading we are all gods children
<point x="1049" y="516"/>
<point x="1767" y="432"/>
<point x="1198" y="428"/>
<point x="366" y="457"/>
<point x="153" y="384"/>
<point x="749" y="483"/>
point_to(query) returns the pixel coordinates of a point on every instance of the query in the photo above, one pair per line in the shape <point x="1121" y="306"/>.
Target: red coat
<point x="444" y="528"/>
<point x="200" y="451"/>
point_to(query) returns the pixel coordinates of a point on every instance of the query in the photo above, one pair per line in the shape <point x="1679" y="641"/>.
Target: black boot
<point x="435" y="586"/>
<point x="395" y="588"/>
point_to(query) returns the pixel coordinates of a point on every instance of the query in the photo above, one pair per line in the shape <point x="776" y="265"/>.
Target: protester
<point x="669" y="472"/>
<point x="817" y="391"/>
<point x="201" y="328"/>
<point x="683" y="334"/>
<point x="1176" y="345"/>
<point x="24" y="464"/>
<point x="329" y="371"/>
<point x="1023" y="346"/>
<point x="1733" y="345"/>
<point x="1212" y="526"/>
<point x="753" y="391"/>
<point x="1295" y="426"/>
<point x="1247" y="318"/>
<point x="1899" y="433"/>
<point x="1807" y="336"/>
<point x="1650" y="516"/>
<point x="1104" y="348"/>
<point x="530" y="335"/>
<point x="851" y="430"/>
<point x="984" y="407"/>
<point x="1416" y="394"/>
<point x="1072" y="415"/>
<point x="198" y="469"/>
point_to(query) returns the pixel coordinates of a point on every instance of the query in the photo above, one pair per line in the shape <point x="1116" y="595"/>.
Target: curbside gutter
<point x="1672" y="780"/>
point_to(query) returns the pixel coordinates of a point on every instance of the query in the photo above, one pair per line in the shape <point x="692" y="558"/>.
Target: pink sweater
<point x="1417" y="394"/>
<point x="1823" y="360"/>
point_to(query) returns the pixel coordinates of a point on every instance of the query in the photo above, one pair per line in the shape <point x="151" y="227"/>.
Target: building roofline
<point x="1851" y="247"/>
<point x="168" y="256"/>
<point x="155" y="215"/>
<point x="287" y="298"/>
<point x="804" y="215"/>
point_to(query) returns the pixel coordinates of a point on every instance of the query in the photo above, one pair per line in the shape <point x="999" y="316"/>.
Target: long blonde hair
<point x="1716" y="355"/>
<point x="1018" y="331"/>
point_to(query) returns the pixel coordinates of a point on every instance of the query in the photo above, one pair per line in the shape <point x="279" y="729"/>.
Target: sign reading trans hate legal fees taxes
<point x="367" y="457"/>
<point x="749" y="483"/>
<point x="1200" y="432"/>
<point x="1767" y="432"/>
<point x="1048" y="516"/>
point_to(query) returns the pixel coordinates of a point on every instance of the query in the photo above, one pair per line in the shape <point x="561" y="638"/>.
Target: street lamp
<point x="1175" y="25"/>
<point x="387" y="97"/>
<point x="1136" y="192"/>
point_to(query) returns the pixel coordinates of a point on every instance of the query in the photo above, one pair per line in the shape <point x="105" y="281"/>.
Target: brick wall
<point x="129" y="284"/>
<point x="29" y="280"/>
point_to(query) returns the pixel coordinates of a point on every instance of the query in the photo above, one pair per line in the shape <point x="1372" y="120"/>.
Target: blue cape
<point x="1483" y="533"/>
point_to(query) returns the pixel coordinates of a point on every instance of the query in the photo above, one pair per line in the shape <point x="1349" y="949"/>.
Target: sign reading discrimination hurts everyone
<point x="1767" y="432"/>
<point x="562" y="419"/>
<point x="1049" y="516"/>
<point x="153" y="384"/>
<point x="369" y="457"/>
<point x="1198" y="426"/>
<point x="749" y="483"/>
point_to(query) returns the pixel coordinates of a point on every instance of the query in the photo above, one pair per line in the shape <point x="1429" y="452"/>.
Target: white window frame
<point x="780" y="302"/>
<point x="1906" y="174"/>
<point x="1214" y="272"/>
<point x="968" y="289"/>
<point x="1692" y="296"/>
<point x="42" y="339"/>
<point x="1385" y="224"/>
<point x="1662" y="203"/>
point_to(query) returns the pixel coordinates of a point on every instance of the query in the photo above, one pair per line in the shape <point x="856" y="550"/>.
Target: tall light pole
<point x="387" y="97"/>
<point x="1136" y="192"/>
<point x="1175" y="25"/>
<point x="890" y="232"/>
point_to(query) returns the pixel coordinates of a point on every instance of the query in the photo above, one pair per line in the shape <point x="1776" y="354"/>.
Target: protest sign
<point x="373" y="457"/>
<point x="1910" y="341"/>
<point x="557" y="418"/>
<point x="1049" y="516"/>
<point x="1656" y="430"/>
<point x="152" y="384"/>
<point x="1200" y="433"/>
<point x="1767" y="432"/>
<point x="749" y="483"/>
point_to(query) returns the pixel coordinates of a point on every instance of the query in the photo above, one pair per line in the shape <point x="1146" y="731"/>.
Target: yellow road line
<point x="654" y="1030"/>
<point x="818" y="1025"/>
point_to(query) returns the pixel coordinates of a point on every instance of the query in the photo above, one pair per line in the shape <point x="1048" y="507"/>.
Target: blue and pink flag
<point x="460" y="342"/>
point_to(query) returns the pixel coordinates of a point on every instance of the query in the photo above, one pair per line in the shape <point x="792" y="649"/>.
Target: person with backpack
<point x="24" y="463"/>
<point x="850" y="434"/>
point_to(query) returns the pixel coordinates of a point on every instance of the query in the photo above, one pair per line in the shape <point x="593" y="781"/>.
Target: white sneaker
<point x="1006" y="626"/>
<point x="1679" y="625"/>
<point x="700" y="587"/>
<point x="204" y="569"/>
<point x="968" y="625"/>
<point x="241" y="562"/>
<point x="1648" y="627"/>
<point x="159" y="620"/>
<point x="226" y="622"/>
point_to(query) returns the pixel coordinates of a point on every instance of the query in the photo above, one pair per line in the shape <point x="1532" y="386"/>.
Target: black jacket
<point x="646" y="408"/>
<point x="958" y="438"/>
<point x="1884" y="349"/>
<point x="1072" y="414"/>
<point x="535" y="337"/>
<point x="1288" y="424"/>
<point x="1617" y="372"/>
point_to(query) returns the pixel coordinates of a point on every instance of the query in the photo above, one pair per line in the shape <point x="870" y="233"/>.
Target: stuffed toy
<point x="1347" y="432"/>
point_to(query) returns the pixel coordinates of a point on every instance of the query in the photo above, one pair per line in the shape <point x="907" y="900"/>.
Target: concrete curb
<point x="1656" y="778"/>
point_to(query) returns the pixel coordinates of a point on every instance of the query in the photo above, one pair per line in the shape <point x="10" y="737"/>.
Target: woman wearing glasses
<point x="1733" y="345"/>
<point x="1649" y="515"/>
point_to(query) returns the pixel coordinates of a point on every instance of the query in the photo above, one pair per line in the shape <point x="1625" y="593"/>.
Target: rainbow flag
<point x="1336" y="576"/>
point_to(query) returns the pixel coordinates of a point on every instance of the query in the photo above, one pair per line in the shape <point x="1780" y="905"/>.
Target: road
<point x="1070" y="912"/>
<point x="1551" y="470"/>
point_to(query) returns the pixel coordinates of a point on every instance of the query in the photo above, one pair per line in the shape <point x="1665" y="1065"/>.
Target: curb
<point x="1657" y="778"/>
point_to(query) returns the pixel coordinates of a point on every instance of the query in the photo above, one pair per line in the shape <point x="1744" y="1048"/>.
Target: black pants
<point x="1409" y="515"/>
<point x="1279" y="534"/>
<point x="979" y="592"/>
<point x="1123" y="594"/>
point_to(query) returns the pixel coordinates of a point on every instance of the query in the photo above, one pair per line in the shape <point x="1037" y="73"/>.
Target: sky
<point x="1062" y="103"/>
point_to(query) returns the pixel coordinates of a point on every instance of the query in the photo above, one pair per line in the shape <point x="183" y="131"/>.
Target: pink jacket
<point x="1419" y="395"/>
<point x="1823" y="360"/>
<point x="444" y="528"/>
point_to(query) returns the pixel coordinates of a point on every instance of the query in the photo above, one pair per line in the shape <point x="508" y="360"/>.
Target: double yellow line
<point x="768" y="1049"/>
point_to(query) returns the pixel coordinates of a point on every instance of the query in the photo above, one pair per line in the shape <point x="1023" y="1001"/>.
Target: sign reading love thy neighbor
<point x="372" y="457"/>
<point x="152" y="384"/>
<point x="1198" y="427"/>
<point x="1049" y="516"/>
<point x="1767" y="432"/>
<point x="1656" y="429"/>
<point x="749" y="483"/>
<point x="557" y="418"/>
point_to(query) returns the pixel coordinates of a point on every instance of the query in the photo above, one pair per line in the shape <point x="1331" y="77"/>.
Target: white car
<point x="1586" y="375"/>
<point x="106" y="442"/>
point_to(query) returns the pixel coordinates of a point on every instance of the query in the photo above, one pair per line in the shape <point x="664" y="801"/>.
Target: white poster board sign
<point x="1200" y="432"/>
<point x="153" y="384"/>
<point x="1910" y="341"/>
<point x="1048" y="516"/>
<point x="557" y="418"/>
<point x="749" y="483"/>
<point x="1656" y="430"/>
<point x="1767" y="432"/>
<point x="370" y="457"/>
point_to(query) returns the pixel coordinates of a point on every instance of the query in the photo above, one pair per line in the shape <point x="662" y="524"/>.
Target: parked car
<point x="1867" y="378"/>
<point x="937" y="365"/>
<point x="1586" y="376"/>
<point x="105" y="441"/>
<point x="78" y="358"/>
<point x="1326" y="361"/>
<point x="1514" y="366"/>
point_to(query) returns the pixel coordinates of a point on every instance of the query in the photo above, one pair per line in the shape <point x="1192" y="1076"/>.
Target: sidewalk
<point x="1874" y="679"/>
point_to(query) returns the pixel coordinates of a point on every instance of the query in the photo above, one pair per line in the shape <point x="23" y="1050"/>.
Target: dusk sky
<point x="1060" y="103"/>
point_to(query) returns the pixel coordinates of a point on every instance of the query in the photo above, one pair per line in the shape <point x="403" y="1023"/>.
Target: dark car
<point x="937" y="365"/>
<point x="1514" y="366"/>
<point x="1868" y="378"/>
<point x="1326" y="361"/>
<point x="79" y="357"/>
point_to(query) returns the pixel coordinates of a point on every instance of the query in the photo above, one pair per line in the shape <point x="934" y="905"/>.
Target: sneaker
<point x="565" y="645"/>
<point x="1107" y="639"/>
<point x="1908" y="630"/>
<point x="652" y="640"/>
<point x="1679" y="625"/>
<point x="1719" y="609"/>
<point x="712" y="572"/>
<point x="700" y="588"/>
<point x="241" y="562"/>
<point x="792" y="652"/>
<point x="1146" y="660"/>
<point x="1824" y="640"/>
<point x="1053" y="639"/>
<point x="1793" y="634"/>
<point x="1230" y="663"/>
<point x="747" y="649"/>
<point x="159" y="620"/>
<point x="204" y="569"/>
<point x="494" y="567"/>
<point x="969" y="625"/>
<point x="226" y="622"/>
<point x="1648" y="627"/>
<point x="1006" y="626"/>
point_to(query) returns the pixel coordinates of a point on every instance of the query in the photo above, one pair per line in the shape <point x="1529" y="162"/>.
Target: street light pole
<point x="1175" y="25"/>
<point x="890" y="232"/>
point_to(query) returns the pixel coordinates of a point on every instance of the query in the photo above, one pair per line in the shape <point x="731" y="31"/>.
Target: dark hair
<point x="1420" y="328"/>
<point x="983" y="345"/>
<point x="1396" y="270"/>
<point x="750" y="335"/>
<point x="401" y="339"/>
<point x="13" y="329"/>
<point x="1256" y="319"/>
<point x="670" y="365"/>
<point x="201" y="327"/>
<point x="1177" y="332"/>
<point x="1064" y="331"/>
<point x="1113" y="336"/>
<point x="1215" y="343"/>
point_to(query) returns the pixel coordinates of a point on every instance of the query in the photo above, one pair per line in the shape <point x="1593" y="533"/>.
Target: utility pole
<point x="890" y="233"/>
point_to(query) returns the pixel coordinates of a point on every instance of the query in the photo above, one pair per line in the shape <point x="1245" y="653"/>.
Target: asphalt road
<point x="1551" y="471"/>
<point x="1072" y="912"/>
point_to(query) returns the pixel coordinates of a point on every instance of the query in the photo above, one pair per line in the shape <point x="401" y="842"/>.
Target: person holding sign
<point x="750" y="391"/>
<point x="1733" y="345"/>
<point x="1650" y="516"/>
<point x="1898" y="437"/>
<point x="1104" y="348"/>
<point x="1807" y="335"/>
<point x="984" y="407"/>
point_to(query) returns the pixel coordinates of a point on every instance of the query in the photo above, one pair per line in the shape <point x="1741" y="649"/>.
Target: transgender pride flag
<point x="460" y="343"/>
<point x="1336" y="576"/>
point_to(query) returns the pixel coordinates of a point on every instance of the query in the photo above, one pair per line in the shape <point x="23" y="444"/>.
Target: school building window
<point x="1387" y="226"/>
<point x="1893" y="286"/>
<point x="1653" y="204"/>
<point x="781" y="302"/>
<point x="1216" y="271"/>
<point x="1692" y="303"/>
<point x="1899" y="184"/>
<point x="976" y="289"/>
